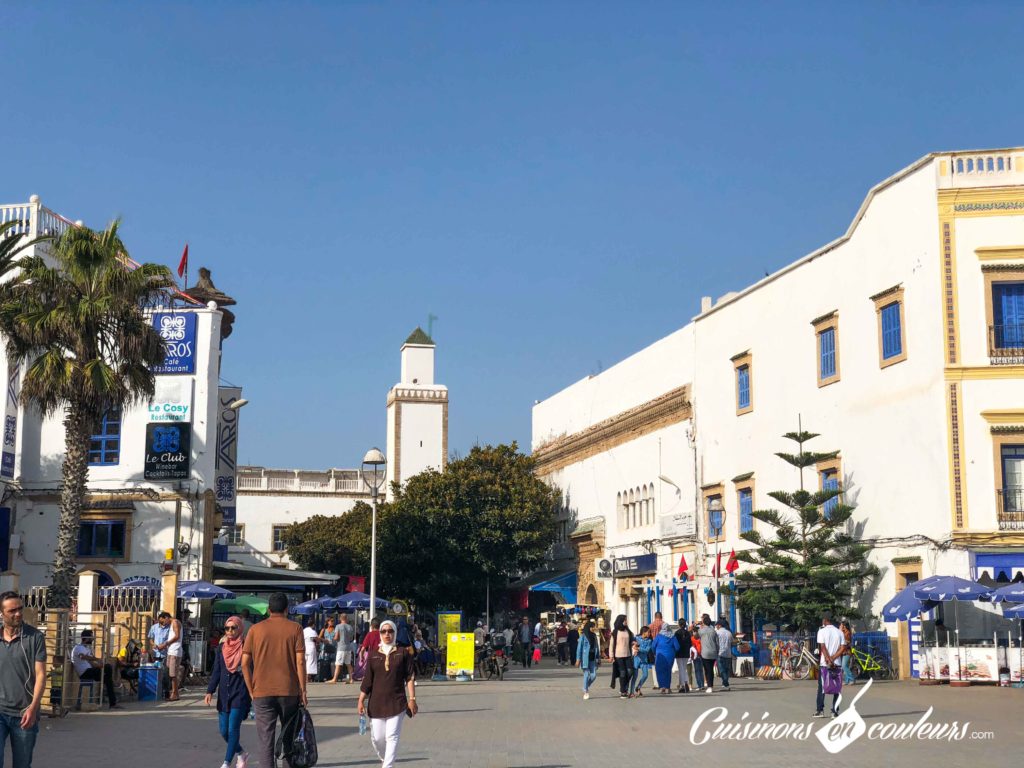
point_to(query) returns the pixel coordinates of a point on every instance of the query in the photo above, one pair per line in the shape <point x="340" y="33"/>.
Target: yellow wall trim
<point x="981" y="372"/>
<point x="1001" y="253"/>
<point x="1003" y="417"/>
<point x="992" y="539"/>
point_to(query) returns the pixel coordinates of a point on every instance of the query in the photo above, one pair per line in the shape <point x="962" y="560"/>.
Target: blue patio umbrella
<point x="905" y="605"/>
<point x="357" y="600"/>
<point x="954" y="589"/>
<point x="307" y="608"/>
<point x="1011" y="593"/>
<point x="946" y="588"/>
<point x="1013" y="611"/>
<point x="203" y="590"/>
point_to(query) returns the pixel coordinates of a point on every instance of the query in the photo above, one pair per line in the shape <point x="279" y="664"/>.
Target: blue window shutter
<point x="829" y="482"/>
<point x="746" y="510"/>
<point x="743" y="386"/>
<point x="827" y="353"/>
<point x="1008" y="305"/>
<point x="892" y="337"/>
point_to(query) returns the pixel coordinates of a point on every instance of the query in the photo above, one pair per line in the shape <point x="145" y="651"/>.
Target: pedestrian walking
<point x="588" y="656"/>
<point x="329" y="640"/>
<point x="830" y="647"/>
<point x="573" y="640"/>
<point x="622" y="654"/>
<point x="696" y="660"/>
<point x="683" y="657"/>
<point x="228" y="682"/>
<point x="656" y="625"/>
<point x="310" y="641"/>
<point x="344" y="638"/>
<point x="847" y="630"/>
<point x="562" y="642"/>
<point x="708" y="652"/>
<point x="725" y="657"/>
<point x="642" y="655"/>
<point x="387" y="693"/>
<point x="175" y="653"/>
<point x="273" y="664"/>
<point x="526" y="642"/>
<point x="22" y="680"/>
<point x="664" y="647"/>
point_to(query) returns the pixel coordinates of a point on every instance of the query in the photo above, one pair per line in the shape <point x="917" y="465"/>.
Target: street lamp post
<point x="716" y="513"/>
<point x="373" y="470"/>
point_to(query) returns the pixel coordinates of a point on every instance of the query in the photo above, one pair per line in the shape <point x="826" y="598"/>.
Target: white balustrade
<point x="342" y="481"/>
<point x="35" y="219"/>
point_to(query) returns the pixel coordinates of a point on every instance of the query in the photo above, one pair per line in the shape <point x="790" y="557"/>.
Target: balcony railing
<point x="1011" y="509"/>
<point x="1006" y="344"/>
<point x="34" y="219"/>
<point x="302" y="481"/>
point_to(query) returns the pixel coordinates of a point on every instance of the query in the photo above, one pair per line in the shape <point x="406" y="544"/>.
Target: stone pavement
<point x="536" y="719"/>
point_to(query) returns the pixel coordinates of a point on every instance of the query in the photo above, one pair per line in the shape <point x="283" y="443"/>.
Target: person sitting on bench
<point x="89" y="667"/>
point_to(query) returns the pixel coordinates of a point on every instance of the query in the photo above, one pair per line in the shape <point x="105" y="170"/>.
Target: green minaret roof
<point x="419" y="337"/>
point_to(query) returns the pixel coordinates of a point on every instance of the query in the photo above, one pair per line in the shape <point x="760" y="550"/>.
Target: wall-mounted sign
<point x="168" y="451"/>
<point x="9" y="449"/>
<point x="679" y="524"/>
<point x="227" y="451"/>
<point x="602" y="568"/>
<point x="635" y="566"/>
<point x="172" y="400"/>
<point x="178" y="330"/>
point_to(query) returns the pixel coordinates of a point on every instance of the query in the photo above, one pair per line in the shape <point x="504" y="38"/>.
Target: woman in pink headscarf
<point x="233" y="700"/>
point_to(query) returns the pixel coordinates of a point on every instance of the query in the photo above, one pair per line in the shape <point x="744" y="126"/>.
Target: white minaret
<point x="417" y="414"/>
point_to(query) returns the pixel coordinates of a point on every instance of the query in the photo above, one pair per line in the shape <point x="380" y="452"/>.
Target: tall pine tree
<point x="812" y="563"/>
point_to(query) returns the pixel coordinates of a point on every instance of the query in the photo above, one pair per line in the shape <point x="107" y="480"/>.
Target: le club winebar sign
<point x="168" y="451"/>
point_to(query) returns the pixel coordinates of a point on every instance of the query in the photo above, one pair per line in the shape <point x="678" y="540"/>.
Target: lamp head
<point x="374" y="458"/>
<point x="239" y="403"/>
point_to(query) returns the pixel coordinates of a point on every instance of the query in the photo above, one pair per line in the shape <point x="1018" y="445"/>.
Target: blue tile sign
<point x="178" y="330"/>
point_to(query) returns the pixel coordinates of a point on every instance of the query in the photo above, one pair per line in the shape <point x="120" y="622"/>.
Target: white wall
<point x="260" y="513"/>
<point x="422" y="431"/>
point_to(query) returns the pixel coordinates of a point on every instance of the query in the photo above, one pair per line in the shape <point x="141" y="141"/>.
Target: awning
<point x="564" y="585"/>
<point x="240" y="576"/>
<point x="999" y="566"/>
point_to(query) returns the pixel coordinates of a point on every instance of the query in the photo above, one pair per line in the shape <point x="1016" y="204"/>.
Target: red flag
<point x="733" y="565"/>
<point x="183" y="264"/>
<point x="682" y="566"/>
<point x="356" y="584"/>
<point x="717" y="567"/>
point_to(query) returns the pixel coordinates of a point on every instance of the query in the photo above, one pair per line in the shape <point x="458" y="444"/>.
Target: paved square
<point x="537" y="719"/>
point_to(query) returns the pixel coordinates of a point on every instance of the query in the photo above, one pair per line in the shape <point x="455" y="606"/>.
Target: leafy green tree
<point x="332" y="543"/>
<point x="486" y="518"/>
<point x="80" y="326"/>
<point x="812" y="563"/>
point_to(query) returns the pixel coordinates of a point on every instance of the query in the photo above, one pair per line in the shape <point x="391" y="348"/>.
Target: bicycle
<point x="800" y="665"/>
<point x="869" y="663"/>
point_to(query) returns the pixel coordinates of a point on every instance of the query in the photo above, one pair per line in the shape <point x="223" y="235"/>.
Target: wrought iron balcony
<point x="1006" y="344"/>
<point x="1011" y="508"/>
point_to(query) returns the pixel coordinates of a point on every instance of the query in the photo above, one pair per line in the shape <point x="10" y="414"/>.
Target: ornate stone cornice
<point x="416" y="395"/>
<point x="669" y="408"/>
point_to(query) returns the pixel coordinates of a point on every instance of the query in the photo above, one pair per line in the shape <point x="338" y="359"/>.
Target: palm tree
<point x="79" y="322"/>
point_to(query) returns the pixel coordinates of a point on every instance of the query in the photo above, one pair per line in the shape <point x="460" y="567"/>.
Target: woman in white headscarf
<point x="388" y="693"/>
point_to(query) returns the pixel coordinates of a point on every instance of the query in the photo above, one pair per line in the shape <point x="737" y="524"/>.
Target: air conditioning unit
<point x="603" y="568"/>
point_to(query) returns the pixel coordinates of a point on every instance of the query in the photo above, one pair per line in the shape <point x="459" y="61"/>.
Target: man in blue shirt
<point x="158" y="636"/>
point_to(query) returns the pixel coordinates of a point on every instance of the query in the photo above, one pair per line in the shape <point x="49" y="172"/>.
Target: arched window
<point x="639" y="508"/>
<point x="618" y="511"/>
<point x="650" y="509"/>
<point x="630" y="512"/>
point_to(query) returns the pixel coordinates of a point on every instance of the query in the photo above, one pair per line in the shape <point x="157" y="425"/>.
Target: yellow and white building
<point x="901" y="343"/>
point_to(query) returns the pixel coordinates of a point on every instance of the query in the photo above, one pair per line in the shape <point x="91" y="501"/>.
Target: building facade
<point x="152" y="484"/>
<point x="901" y="343"/>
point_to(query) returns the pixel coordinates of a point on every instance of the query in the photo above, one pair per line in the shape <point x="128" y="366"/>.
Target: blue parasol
<point x="307" y="608"/>
<point x="905" y="605"/>
<point x="203" y="590"/>
<point x="1013" y="611"/>
<point x="357" y="600"/>
<point x="946" y="588"/>
<point x="1011" y="593"/>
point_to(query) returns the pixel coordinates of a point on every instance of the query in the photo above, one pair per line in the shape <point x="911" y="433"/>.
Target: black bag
<point x="303" y="752"/>
<point x="650" y="656"/>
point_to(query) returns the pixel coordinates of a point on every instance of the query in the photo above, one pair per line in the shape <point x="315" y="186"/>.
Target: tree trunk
<point x="75" y="472"/>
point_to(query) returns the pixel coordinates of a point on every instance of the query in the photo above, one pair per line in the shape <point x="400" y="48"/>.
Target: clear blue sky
<point x="558" y="182"/>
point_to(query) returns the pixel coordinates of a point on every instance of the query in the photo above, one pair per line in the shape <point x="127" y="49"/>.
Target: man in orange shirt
<point x="273" y="660"/>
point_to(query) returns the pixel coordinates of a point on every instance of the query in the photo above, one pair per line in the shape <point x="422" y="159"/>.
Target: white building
<point x="153" y="468"/>
<point x="901" y="343"/>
